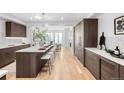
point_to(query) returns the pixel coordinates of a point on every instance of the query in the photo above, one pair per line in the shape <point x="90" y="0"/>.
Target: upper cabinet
<point x="15" y="30"/>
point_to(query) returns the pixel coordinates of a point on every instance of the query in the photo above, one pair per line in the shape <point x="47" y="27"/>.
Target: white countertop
<point x="3" y="73"/>
<point x="9" y="46"/>
<point x="106" y="55"/>
<point x="33" y="49"/>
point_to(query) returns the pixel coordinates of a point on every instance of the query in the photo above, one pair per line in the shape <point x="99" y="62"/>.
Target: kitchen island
<point x="28" y="63"/>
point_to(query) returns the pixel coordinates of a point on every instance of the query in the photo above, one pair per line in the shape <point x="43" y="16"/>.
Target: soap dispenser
<point x="117" y="51"/>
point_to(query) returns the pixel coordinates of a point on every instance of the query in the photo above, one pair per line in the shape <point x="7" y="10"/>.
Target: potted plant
<point x="40" y="36"/>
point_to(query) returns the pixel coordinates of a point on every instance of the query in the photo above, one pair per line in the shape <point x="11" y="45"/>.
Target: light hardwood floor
<point x="66" y="67"/>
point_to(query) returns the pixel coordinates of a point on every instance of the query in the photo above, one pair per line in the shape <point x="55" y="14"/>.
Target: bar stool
<point x="54" y="51"/>
<point x="48" y="59"/>
<point x="52" y="57"/>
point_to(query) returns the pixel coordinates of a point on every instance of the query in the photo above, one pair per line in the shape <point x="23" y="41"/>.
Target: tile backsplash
<point x="7" y="41"/>
<point x="106" y="25"/>
<point x="112" y="42"/>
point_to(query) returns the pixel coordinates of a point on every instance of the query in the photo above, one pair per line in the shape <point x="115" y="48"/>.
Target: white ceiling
<point x="69" y="19"/>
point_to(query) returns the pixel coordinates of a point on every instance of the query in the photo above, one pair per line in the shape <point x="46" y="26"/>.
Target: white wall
<point x="2" y="31"/>
<point x="69" y="38"/>
<point x="2" y="28"/>
<point x="106" y="25"/>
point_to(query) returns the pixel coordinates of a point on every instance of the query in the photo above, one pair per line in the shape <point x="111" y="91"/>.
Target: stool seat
<point x="50" y="53"/>
<point x="52" y="50"/>
<point x="46" y="57"/>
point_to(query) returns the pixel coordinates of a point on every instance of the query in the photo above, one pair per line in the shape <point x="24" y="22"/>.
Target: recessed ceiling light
<point x="62" y="18"/>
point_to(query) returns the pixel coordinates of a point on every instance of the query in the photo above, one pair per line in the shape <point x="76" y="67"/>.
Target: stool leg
<point x="54" y="54"/>
<point x="52" y="61"/>
<point x="49" y="67"/>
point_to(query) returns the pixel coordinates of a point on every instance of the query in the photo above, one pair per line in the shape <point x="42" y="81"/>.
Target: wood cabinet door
<point x="15" y="30"/>
<point x="1" y="59"/>
<point x="9" y="55"/>
<point x="90" y="32"/>
<point x="77" y="32"/>
<point x="81" y="42"/>
<point x="79" y="49"/>
<point x="109" y="70"/>
<point x="121" y="74"/>
<point x="92" y="63"/>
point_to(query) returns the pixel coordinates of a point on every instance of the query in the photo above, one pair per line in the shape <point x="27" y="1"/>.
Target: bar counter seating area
<point x="30" y="61"/>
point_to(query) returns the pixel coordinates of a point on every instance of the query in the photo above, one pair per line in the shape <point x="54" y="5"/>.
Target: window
<point x="55" y="37"/>
<point x="60" y="38"/>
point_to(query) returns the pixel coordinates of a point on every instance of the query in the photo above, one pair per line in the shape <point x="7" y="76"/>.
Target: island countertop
<point x="106" y="55"/>
<point x="34" y="49"/>
<point x="11" y="45"/>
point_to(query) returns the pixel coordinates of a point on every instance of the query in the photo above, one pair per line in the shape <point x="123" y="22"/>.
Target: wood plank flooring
<point x="66" y="67"/>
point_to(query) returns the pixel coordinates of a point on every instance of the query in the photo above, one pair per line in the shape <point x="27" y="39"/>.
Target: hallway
<point x="66" y="67"/>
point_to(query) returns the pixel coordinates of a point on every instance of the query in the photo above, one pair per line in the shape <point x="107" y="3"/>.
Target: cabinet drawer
<point x="9" y="57"/>
<point x="109" y="70"/>
<point x="1" y="59"/>
<point x="92" y="63"/>
<point x="121" y="72"/>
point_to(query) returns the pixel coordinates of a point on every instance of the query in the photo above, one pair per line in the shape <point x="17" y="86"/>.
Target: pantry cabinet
<point x="85" y="35"/>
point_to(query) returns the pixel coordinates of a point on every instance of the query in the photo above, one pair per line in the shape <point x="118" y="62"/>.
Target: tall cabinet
<point x="85" y="35"/>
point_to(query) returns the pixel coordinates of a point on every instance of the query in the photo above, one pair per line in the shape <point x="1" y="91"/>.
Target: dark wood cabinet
<point x="15" y="30"/>
<point x="3" y="78"/>
<point x="103" y="68"/>
<point x="121" y="73"/>
<point x="1" y="59"/>
<point x="92" y="63"/>
<point x="79" y="43"/>
<point x="90" y="32"/>
<point x="7" y="55"/>
<point x="85" y="35"/>
<point x="29" y="64"/>
<point x="109" y="70"/>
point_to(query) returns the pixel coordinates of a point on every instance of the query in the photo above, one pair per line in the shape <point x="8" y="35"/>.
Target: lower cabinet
<point x="121" y="73"/>
<point x="109" y="70"/>
<point x="102" y="68"/>
<point x="7" y="55"/>
<point x="1" y="59"/>
<point x="92" y="63"/>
